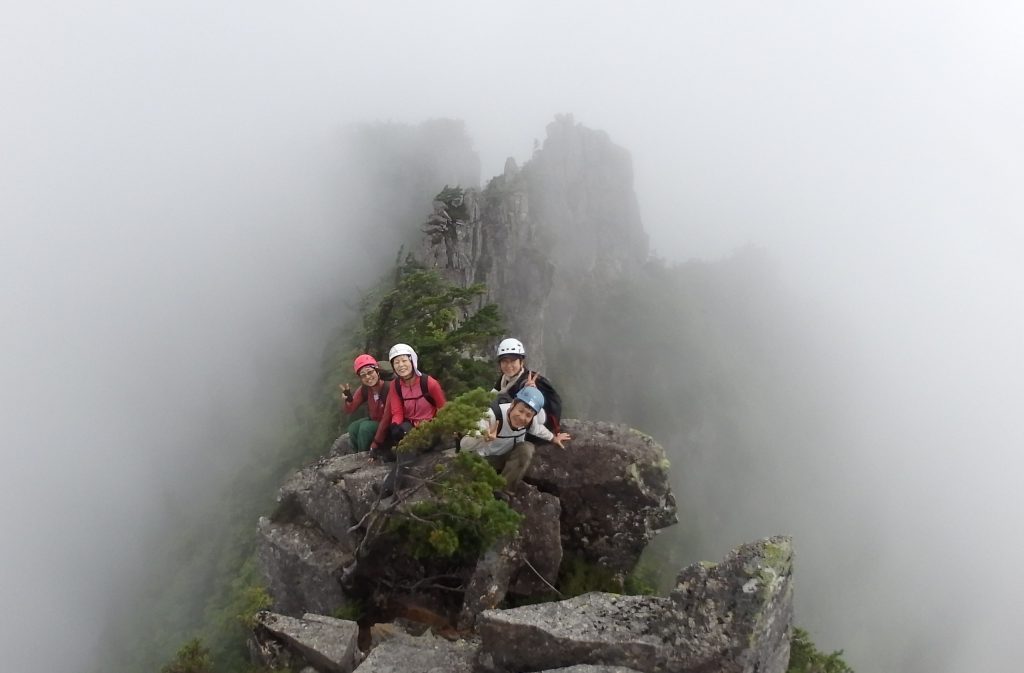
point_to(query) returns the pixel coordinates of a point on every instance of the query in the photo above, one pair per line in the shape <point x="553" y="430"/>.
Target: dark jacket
<point x="552" y="402"/>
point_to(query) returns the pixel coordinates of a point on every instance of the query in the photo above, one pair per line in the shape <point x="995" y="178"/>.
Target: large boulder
<point x="328" y="645"/>
<point x="587" y="668"/>
<point x="540" y="547"/>
<point x="302" y="567"/>
<point x="744" y="603"/>
<point x="595" y="628"/>
<point x="320" y="492"/>
<point x="734" y="617"/>
<point x="329" y="541"/>
<point x="612" y="482"/>
<point x="422" y="654"/>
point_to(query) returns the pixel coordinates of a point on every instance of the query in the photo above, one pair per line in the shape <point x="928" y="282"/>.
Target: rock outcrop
<point x="733" y="617"/>
<point x="614" y="490"/>
<point x="536" y="235"/>
<point x="327" y="544"/>
<point x="420" y="654"/>
<point x="547" y="239"/>
<point x="328" y="645"/>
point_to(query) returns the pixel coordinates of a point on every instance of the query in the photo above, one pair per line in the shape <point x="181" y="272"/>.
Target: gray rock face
<point x="313" y="551"/>
<point x="735" y="617"/>
<point x="489" y="583"/>
<point x="595" y="628"/>
<point x="746" y="601"/>
<point x="318" y="490"/>
<point x="402" y="653"/>
<point x="328" y="645"/>
<point x="302" y="567"/>
<point x="572" y="202"/>
<point x="540" y="549"/>
<point x="587" y="668"/>
<point x="613" y="486"/>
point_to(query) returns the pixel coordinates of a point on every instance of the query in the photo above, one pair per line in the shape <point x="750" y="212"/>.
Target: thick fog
<point x="179" y="229"/>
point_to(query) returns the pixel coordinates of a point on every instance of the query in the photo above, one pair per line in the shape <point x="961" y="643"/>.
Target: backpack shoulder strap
<point x="423" y="389"/>
<point x="496" y="408"/>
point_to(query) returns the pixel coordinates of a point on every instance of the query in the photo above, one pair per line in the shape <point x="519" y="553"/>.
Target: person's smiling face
<point x="402" y="364"/>
<point x="510" y="365"/>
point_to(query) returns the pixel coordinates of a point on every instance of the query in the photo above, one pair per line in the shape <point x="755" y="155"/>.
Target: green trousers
<point x="360" y="434"/>
<point x="514" y="464"/>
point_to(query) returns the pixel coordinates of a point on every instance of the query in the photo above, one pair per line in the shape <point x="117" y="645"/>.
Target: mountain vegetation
<point x="679" y="350"/>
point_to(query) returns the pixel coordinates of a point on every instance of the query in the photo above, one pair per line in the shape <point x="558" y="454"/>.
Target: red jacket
<point x="413" y="406"/>
<point x="375" y="402"/>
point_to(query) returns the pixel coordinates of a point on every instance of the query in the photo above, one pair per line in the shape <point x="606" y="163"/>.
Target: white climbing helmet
<point x="401" y="349"/>
<point x="511" y="347"/>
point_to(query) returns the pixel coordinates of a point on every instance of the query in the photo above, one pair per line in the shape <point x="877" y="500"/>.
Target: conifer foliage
<point x="463" y="518"/>
<point x="450" y="327"/>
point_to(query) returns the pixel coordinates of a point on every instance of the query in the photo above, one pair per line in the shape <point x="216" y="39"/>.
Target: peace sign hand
<point x="492" y="432"/>
<point x="531" y="380"/>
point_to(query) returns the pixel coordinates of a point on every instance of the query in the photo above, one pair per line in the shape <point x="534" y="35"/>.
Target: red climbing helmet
<point x="365" y="360"/>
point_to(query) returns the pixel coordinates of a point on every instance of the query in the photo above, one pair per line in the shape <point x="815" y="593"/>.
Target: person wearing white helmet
<point x="515" y="376"/>
<point x="504" y="433"/>
<point x="413" y="398"/>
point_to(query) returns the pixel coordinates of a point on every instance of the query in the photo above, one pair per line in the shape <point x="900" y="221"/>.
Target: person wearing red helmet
<point x="374" y="393"/>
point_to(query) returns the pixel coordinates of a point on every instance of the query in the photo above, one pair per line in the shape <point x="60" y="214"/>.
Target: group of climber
<point x="525" y="413"/>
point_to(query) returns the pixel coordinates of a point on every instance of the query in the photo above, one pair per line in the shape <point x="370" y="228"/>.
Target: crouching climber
<point x="515" y="377"/>
<point x="373" y="393"/>
<point x="504" y="435"/>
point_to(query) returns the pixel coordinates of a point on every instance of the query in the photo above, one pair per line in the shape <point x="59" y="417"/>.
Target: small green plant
<point x="643" y="581"/>
<point x="193" y="657"/>
<point x="253" y="598"/>
<point x="353" y="611"/>
<point x="804" y="657"/>
<point x="578" y="576"/>
<point x="463" y="518"/>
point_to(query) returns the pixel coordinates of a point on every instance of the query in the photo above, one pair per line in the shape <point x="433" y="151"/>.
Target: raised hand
<point x="492" y="432"/>
<point x="531" y="380"/>
<point x="345" y="388"/>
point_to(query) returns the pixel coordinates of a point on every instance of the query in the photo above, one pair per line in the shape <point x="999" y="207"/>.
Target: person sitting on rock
<point x="413" y="399"/>
<point x="373" y="392"/>
<point x="515" y="376"/>
<point x="504" y="431"/>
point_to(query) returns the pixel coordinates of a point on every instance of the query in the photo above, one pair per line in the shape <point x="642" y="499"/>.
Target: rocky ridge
<point x="600" y="501"/>
<point x="536" y="236"/>
<point x="568" y="219"/>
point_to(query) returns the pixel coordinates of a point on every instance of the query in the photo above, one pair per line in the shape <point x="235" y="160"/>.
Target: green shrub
<point x="463" y="518"/>
<point x="804" y="657"/>
<point x="191" y="658"/>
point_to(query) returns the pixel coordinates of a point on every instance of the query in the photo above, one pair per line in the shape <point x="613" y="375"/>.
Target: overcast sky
<point x="168" y="229"/>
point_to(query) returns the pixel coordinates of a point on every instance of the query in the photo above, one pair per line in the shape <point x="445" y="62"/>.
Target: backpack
<point x="552" y="400"/>
<point x="423" y="391"/>
<point x="368" y="391"/>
